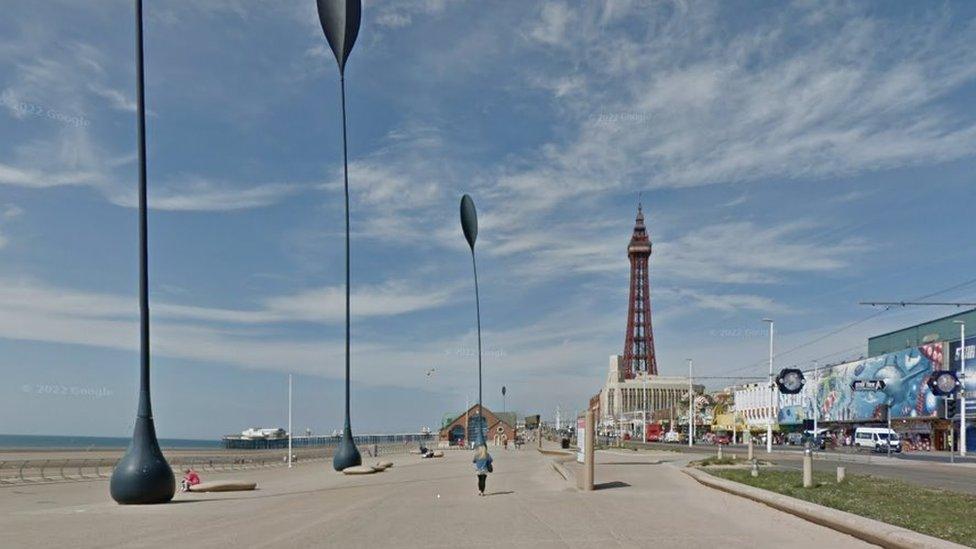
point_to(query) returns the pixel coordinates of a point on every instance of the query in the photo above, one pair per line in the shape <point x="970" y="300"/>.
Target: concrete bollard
<point x="841" y="474"/>
<point x="719" y="451"/>
<point x="750" y="448"/>
<point x="755" y="469"/>
<point x="807" y="467"/>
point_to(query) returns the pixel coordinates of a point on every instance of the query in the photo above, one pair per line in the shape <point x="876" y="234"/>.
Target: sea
<point x="64" y="442"/>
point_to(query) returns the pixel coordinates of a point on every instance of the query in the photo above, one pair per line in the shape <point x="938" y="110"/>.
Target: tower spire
<point x="639" y="343"/>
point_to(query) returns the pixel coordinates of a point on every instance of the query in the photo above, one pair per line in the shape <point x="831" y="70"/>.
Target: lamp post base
<point x="143" y="476"/>
<point x="347" y="455"/>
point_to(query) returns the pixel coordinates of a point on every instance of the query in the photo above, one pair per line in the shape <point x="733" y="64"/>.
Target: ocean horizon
<point x="72" y="441"/>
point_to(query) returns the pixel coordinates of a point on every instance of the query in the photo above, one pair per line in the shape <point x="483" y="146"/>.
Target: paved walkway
<point x="418" y="503"/>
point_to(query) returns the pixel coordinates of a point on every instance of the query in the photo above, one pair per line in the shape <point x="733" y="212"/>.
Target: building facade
<point x="463" y="429"/>
<point x="622" y="400"/>
<point x="933" y="331"/>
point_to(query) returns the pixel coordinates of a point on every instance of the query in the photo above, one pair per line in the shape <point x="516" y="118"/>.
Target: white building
<point x="624" y="400"/>
<point x="752" y="403"/>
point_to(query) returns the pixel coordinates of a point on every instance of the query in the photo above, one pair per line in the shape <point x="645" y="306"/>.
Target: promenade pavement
<point x="418" y="503"/>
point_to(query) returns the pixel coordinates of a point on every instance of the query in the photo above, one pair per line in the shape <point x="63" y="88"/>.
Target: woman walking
<point x="482" y="465"/>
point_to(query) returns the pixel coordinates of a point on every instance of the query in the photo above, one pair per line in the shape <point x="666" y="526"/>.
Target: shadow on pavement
<point x="609" y="485"/>
<point x="500" y="493"/>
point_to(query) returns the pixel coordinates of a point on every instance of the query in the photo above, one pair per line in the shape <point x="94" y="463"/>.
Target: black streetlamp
<point x="340" y="22"/>
<point x="469" y="224"/>
<point x="142" y="475"/>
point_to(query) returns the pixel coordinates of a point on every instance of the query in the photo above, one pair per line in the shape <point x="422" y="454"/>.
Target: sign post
<point x="588" y="441"/>
<point x="580" y="440"/>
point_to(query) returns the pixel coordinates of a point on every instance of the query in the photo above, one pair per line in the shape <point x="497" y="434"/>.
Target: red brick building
<point x="500" y="426"/>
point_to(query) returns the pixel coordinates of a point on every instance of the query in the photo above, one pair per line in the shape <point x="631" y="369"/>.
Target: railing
<point x="72" y="469"/>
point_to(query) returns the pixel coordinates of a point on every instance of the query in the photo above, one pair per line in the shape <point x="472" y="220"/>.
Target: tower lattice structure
<point x="639" y="344"/>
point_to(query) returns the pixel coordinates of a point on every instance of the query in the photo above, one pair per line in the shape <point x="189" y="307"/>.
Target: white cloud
<point x="11" y="211"/>
<point x="320" y="305"/>
<point x="195" y="193"/>
<point x="115" y="98"/>
<point x="327" y="304"/>
<point x="744" y="253"/>
<point x="395" y="14"/>
<point x="39" y="312"/>
<point x="713" y="106"/>
<point x="552" y="26"/>
<point x="11" y="175"/>
<point x="722" y="302"/>
<point x="62" y="82"/>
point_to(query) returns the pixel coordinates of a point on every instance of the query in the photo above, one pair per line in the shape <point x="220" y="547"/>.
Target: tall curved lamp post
<point x="340" y="22"/>
<point x="142" y="475"/>
<point x="469" y="224"/>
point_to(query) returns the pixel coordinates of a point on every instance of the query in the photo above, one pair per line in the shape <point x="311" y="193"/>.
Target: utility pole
<point x="814" y="401"/>
<point x="734" y="414"/>
<point x="769" y="419"/>
<point x="644" y="427"/>
<point x="889" y="428"/>
<point x="289" y="421"/>
<point x="691" y="408"/>
<point x="962" y="393"/>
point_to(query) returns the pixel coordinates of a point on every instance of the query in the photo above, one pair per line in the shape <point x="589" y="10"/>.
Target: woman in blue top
<point x="482" y="465"/>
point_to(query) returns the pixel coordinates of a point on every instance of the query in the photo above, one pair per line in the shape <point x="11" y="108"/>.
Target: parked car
<point x="794" y="439"/>
<point x="674" y="436"/>
<point x="721" y="438"/>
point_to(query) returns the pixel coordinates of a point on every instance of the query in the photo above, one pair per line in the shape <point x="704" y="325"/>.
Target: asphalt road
<point x="960" y="477"/>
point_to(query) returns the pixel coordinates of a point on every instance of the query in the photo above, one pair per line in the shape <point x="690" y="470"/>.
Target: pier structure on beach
<point x="241" y="442"/>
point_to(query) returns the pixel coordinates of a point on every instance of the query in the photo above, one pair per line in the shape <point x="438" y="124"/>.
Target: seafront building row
<point x="904" y="359"/>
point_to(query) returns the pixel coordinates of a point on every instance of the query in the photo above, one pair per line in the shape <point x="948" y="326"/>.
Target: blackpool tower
<point x="639" y="345"/>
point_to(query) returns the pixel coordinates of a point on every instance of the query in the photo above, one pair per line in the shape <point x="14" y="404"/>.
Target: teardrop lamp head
<point x="340" y="22"/>
<point x="469" y="220"/>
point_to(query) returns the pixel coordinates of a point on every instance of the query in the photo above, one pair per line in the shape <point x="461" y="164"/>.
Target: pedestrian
<point x="482" y="465"/>
<point x="190" y="478"/>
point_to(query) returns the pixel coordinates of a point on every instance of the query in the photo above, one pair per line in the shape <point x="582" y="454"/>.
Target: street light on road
<point x="644" y="406"/>
<point x="142" y="475"/>
<point x="772" y="391"/>
<point x="962" y="391"/>
<point x="469" y="226"/>
<point x="340" y="23"/>
<point x="691" y="408"/>
<point x="814" y="398"/>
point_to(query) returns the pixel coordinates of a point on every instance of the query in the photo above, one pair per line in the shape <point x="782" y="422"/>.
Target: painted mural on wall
<point x="905" y="374"/>
<point x="795" y="408"/>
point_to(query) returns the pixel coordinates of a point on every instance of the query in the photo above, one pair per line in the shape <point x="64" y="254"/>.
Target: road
<point x="922" y="471"/>
<point x="419" y="503"/>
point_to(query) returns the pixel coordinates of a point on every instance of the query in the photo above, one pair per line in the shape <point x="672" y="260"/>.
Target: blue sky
<point x="794" y="159"/>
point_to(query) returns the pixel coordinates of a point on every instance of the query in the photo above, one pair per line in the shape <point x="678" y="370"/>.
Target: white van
<point x="877" y="439"/>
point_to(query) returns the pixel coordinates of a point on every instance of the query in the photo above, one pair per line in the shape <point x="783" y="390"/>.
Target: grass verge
<point x="938" y="513"/>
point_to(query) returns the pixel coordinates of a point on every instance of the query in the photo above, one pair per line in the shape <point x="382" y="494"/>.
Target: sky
<point x="793" y="160"/>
